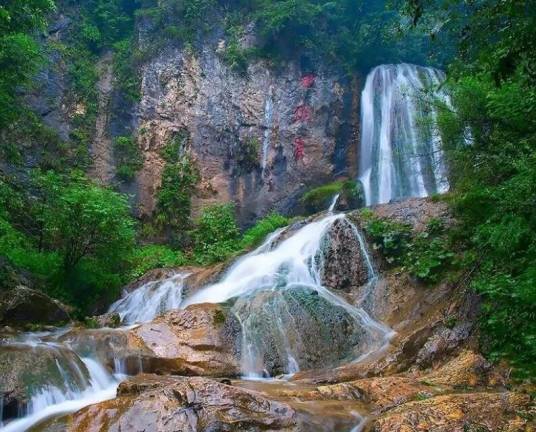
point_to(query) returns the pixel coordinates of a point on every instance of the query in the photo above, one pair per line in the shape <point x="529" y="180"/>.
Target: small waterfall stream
<point x="74" y="382"/>
<point x="400" y="152"/>
<point x="156" y="297"/>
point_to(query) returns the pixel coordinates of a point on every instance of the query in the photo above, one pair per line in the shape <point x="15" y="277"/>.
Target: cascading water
<point x="70" y="384"/>
<point x="156" y="297"/>
<point x="289" y="319"/>
<point x="400" y="153"/>
<point x="268" y="120"/>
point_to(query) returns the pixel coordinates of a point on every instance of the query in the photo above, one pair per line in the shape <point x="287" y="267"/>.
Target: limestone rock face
<point x="22" y="305"/>
<point x="161" y="404"/>
<point x="259" y="139"/>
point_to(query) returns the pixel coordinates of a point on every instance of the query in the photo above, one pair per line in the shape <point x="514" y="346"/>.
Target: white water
<point x="333" y="203"/>
<point x="150" y="300"/>
<point x="268" y="122"/>
<point x="400" y="153"/>
<point x="51" y="401"/>
<point x="261" y="283"/>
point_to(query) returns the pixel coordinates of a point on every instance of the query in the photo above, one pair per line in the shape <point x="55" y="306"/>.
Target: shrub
<point x="320" y="198"/>
<point x="216" y="235"/>
<point x="128" y="157"/>
<point x="153" y="256"/>
<point x="257" y="233"/>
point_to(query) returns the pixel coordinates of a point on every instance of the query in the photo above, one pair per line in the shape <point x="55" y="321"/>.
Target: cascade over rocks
<point x="27" y="369"/>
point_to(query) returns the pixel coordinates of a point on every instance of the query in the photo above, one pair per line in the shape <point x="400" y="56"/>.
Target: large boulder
<point x="22" y="305"/>
<point x="161" y="404"/>
<point x="25" y="370"/>
<point x="202" y="339"/>
<point x="298" y="326"/>
<point x="343" y="260"/>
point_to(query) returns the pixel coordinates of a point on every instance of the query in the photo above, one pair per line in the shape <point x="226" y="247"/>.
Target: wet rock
<point x="111" y="319"/>
<point x="27" y="369"/>
<point x="22" y="305"/>
<point x="199" y="340"/>
<point x="150" y="403"/>
<point x="299" y="325"/>
<point x="473" y="412"/>
<point x="343" y="262"/>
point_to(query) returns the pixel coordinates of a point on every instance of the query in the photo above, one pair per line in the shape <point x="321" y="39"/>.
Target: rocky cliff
<point x="259" y="137"/>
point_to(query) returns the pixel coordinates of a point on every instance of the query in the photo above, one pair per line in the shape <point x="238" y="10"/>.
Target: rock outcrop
<point x="22" y="305"/>
<point x="150" y="404"/>
<point x="199" y="340"/>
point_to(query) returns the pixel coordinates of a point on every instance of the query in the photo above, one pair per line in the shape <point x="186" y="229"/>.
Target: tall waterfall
<point x="289" y="320"/>
<point x="400" y="153"/>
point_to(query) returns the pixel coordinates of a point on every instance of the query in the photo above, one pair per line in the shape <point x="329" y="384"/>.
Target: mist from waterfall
<point x="400" y="152"/>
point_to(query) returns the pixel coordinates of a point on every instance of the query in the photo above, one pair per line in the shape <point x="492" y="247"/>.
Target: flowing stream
<point x="400" y="152"/>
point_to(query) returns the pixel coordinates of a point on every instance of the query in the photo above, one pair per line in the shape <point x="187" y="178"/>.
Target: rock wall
<point x="302" y="126"/>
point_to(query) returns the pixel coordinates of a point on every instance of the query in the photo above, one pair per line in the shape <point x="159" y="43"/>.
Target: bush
<point x="153" y="256"/>
<point x="128" y="157"/>
<point x="216" y="235"/>
<point x="256" y="234"/>
<point x="320" y="198"/>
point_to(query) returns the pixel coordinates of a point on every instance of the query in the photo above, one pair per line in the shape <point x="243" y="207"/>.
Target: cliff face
<point x="259" y="138"/>
<point x="300" y="128"/>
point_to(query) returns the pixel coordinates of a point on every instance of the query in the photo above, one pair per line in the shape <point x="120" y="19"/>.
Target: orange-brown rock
<point x="169" y="404"/>
<point x="199" y="340"/>
<point x="470" y="412"/>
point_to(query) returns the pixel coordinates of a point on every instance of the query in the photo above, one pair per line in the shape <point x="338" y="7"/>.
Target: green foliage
<point x="70" y="233"/>
<point x="489" y="132"/>
<point x="174" y="196"/>
<point x="153" y="256"/>
<point x="426" y="255"/>
<point x="257" y="233"/>
<point x="216" y="235"/>
<point x="128" y="157"/>
<point x="248" y="155"/>
<point x="320" y="198"/>
<point x="20" y="54"/>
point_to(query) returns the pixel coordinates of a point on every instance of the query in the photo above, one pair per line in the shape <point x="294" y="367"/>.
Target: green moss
<point x="128" y="157"/>
<point x="319" y="198"/>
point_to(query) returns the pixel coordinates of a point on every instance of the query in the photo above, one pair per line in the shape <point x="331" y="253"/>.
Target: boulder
<point x="469" y="412"/>
<point x="22" y="305"/>
<point x="343" y="261"/>
<point x="27" y="369"/>
<point x="202" y="339"/>
<point x="154" y="403"/>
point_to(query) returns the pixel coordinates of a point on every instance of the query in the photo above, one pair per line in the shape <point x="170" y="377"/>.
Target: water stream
<point x="400" y="152"/>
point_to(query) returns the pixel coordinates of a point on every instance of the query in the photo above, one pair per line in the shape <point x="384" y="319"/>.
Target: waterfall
<point x="289" y="319"/>
<point x="400" y="152"/>
<point x="80" y="382"/>
<point x="150" y="300"/>
<point x="268" y="121"/>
